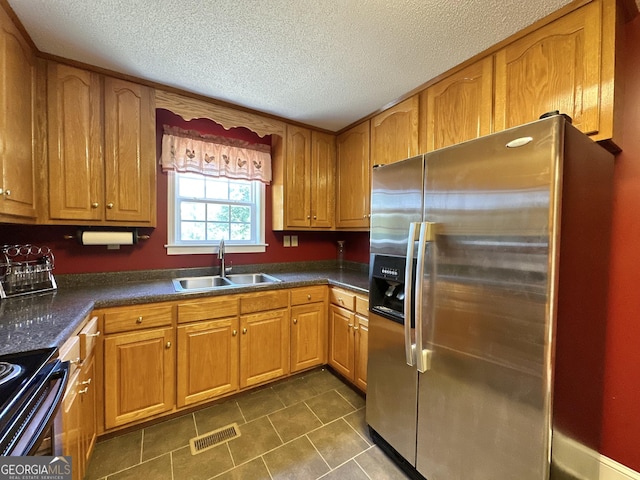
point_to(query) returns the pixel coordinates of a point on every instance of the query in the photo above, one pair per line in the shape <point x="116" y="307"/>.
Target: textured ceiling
<point x="325" y="63"/>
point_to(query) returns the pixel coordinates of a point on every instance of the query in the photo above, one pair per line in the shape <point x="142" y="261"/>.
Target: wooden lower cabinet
<point x="349" y="336"/>
<point x="139" y="375"/>
<point x="207" y="360"/>
<point x="264" y="346"/>
<point x="71" y="427"/>
<point x="308" y="327"/>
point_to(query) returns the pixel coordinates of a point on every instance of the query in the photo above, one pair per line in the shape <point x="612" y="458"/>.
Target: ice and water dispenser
<point x="386" y="287"/>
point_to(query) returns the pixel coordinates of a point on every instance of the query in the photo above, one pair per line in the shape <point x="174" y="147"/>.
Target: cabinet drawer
<point x="144" y="316"/>
<point x="362" y="306"/>
<point x="207" y="309"/>
<point x="343" y="298"/>
<point x="70" y="351"/>
<point x="258" y="302"/>
<point x="88" y="337"/>
<point x="302" y="296"/>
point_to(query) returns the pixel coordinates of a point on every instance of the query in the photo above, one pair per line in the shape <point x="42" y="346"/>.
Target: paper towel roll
<point x="107" y="238"/>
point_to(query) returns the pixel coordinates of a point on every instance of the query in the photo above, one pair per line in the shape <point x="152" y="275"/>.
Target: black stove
<point x="31" y="388"/>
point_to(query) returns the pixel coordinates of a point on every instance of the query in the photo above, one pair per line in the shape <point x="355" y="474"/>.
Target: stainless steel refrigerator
<point x="488" y="286"/>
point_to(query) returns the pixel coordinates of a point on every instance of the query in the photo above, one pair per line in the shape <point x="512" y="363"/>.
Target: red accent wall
<point x="151" y="254"/>
<point x="621" y="411"/>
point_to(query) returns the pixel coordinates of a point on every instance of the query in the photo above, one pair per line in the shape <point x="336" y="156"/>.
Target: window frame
<point x="174" y="248"/>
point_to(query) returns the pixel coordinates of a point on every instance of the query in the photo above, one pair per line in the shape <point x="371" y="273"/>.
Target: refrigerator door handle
<point x="409" y="346"/>
<point x="427" y="235"/>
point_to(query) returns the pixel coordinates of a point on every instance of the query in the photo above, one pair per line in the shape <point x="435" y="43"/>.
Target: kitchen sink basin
<point x="216" y="281"/>
<point x="200" y="283"/>
<point x="251" y="278"/>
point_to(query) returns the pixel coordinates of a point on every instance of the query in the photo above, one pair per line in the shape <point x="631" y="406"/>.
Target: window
<point x="202" y="210"/>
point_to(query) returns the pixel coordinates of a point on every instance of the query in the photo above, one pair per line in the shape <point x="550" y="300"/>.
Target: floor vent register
<point x="209" y="440"/>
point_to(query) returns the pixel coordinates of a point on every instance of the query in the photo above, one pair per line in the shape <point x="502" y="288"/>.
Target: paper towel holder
<point x="111" y="238"/>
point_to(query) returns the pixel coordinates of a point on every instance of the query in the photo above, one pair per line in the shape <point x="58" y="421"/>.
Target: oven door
<point x="33" y="415"/>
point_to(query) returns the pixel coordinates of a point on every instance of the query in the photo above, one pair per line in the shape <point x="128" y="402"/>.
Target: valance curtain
<point x="214" y="156"/>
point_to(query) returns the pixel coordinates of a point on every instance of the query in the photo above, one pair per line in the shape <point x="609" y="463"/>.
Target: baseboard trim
<point x="583" y="463"/>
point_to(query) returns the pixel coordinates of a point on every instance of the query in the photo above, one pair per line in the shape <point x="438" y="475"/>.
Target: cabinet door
<point x="361" y="352"/>
<point x="88" y="413"/>
<point x="76" y="169"/>
<point x="341" y="348"/>
<point x="72" y="427"/>
<point x="139" y="375"/>
<point x="264" y="347"/>
<point x="308" y="336"/>
<point x="460" y="107"/>
<point x="323" y="160"/>
<point x="207" y="360"/>
<point x="556" y="67"/>
<point x="394" y="133"/>
<point x="17" y="103"/>
<point x="298" y="174"/>
<point x="353" y="178"/>
<point x="130" y="158"/>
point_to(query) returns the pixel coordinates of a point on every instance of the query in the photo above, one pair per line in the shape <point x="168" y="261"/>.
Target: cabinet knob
<point x="139" y="320"/>
<point x="167" y="345"/>
<point x="7" y="192"/>
<point x="308" y="297"/>
<point x="234" y="333"/>
<point x="315" y="217"/>
<point x="1" y="191"/>
<point x="308" y="217"/>
<point x="109" y="206"/>
<point x="95" y="205"/>
<point x="84" y="390"/>
<point x="244" y="331"/>
<point x="295" y="321"/>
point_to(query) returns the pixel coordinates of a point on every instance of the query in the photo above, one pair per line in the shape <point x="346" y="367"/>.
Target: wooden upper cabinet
<point x="458" y="108"/>
<point x="17" y="110"/>
<point x="102" y="149"/>
<point x="130" y="160"/>
<point x="557" y="67"/>
<point x="353" y="178"/>
<point x="394" y="133"/>
<point x="323" y="161"/>
<point x="309" y="171"/>
<point x="76" y="169"/>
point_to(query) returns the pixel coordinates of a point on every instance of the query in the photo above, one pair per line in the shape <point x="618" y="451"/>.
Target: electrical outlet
<point x="294" y="240"/>
<point x="286" y="240"/>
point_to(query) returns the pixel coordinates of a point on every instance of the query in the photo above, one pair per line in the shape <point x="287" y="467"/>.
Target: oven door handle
<point x="31" y="435"/>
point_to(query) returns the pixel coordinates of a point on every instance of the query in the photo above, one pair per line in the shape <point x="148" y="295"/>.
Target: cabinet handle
<point x="75" y="362"/>
<point x="295" y="321"/>
<point x="86" y="382"/>
<point x="355" y="328"/>
<point x="234" y="333"/>
<point x="244" y="331"/>
<point x="95" y="205"/>
<point x="168" y="345"/>
<point x="1" y="191"/>
<point x="109" y="206"/>
<point x="139" y="320"/>
<point x="97" y="334"/>
<point x="340" y="300"/>
<point x="84" y="390"/>
<point x="350" y="325"/>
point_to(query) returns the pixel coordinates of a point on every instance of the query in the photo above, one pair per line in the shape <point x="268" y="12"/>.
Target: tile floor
<point x="308" y="427"/>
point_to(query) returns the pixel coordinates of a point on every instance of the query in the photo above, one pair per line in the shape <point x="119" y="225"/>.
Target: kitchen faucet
<point x="223" y="272"/>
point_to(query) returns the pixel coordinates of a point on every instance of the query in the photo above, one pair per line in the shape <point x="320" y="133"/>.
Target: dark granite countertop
<point x="35" y="321"/>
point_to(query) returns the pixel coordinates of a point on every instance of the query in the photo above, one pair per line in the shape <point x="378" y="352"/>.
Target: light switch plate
<point x="294" y="240"/>
<point x="286" y="240"/>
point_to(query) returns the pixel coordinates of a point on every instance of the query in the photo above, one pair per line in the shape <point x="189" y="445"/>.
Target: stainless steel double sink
<point x="214" y="282"/>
